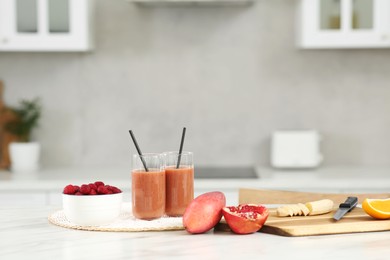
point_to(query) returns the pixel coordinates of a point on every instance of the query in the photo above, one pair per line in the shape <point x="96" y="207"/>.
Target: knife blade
<point x="349" y="204"/>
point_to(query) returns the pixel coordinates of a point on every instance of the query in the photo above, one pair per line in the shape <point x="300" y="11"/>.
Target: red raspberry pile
<point x="96" y="188"/>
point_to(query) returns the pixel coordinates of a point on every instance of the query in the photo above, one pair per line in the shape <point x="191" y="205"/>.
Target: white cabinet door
<point x="344" y="23"/>
<point x="45" y="25"/>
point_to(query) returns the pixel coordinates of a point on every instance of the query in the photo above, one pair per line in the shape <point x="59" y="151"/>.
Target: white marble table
<point x="27" y="234"/>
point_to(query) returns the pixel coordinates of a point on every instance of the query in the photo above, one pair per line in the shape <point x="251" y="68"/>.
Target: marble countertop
<point x="27" y="234"/>
<point x="26" y="231"/>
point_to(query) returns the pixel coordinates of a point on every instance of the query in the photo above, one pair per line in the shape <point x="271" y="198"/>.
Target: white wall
<point x="232" y="75"/>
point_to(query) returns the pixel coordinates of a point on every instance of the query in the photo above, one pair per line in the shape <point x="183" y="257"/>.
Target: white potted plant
<point x="24" y="154"/>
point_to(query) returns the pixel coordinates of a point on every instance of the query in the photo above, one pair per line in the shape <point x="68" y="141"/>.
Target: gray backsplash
<point x="231" y="75"/>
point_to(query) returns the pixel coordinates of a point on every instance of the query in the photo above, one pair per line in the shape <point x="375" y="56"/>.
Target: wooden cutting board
<point x="355" y="221"/>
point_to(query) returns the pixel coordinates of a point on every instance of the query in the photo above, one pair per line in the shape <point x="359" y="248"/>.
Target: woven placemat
<point x="126" y="222"/>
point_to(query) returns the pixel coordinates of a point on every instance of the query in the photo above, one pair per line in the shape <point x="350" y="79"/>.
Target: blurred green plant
<point x="27" y="115"/>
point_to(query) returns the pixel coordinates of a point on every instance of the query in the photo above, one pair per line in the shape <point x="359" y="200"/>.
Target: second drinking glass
<point x="179" y="172"/>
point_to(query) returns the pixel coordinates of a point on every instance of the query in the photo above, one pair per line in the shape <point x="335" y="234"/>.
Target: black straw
<point x="138" y="150"/>
<point x="181" y="147"/>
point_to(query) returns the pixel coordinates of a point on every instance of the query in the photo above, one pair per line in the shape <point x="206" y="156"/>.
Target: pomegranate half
<point x="245" y="218"/>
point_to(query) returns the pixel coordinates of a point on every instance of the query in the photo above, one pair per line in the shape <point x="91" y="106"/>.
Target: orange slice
<point x="377" y="208"/>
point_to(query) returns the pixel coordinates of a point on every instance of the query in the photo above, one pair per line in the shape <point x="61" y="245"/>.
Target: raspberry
<point x="111" y="189"/>
<point x="103" y="190"/>
<point x="85" y="189"/>
<point x="99" y="183"/>
<point x="70" y="189"/>
<point x="115" y="189"/>
<point x="93" y="186"/>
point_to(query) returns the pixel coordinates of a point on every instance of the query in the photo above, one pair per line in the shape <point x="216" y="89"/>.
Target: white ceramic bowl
<point x="92" y="210"/>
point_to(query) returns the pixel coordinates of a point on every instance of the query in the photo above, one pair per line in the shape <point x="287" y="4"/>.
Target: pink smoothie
<point x="179" y="190"/>
<point x="148" y="194"/>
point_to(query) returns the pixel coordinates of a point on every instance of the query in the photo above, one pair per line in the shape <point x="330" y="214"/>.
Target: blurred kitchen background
<point x="232" y="74"/>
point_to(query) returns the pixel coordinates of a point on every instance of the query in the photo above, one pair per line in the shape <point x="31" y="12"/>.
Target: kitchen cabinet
<point x="45" y="187"/>
<point x="344" y="24"/>
<point x="191" y="2"/>
<point x="46" y="25"/>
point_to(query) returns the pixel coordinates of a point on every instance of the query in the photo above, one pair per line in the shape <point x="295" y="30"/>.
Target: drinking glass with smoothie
<point x="179" y="174"/>
<point x="148" y="186"/>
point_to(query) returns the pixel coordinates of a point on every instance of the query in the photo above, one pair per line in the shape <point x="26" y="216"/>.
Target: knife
<point x="345" y="207"/>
